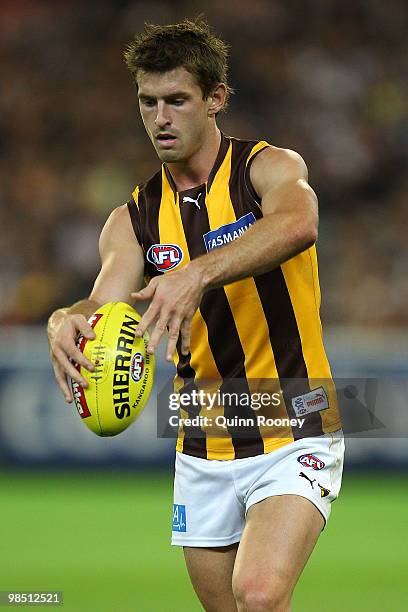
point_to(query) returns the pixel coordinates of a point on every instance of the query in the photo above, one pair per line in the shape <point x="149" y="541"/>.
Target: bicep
<point x="292" y="197"/>
<point x="122" y="260"/>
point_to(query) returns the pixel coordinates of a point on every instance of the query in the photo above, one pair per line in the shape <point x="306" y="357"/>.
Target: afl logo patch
<point x="137" y="367"/>
<point x="164" y="257"/>
<point x="311" y="461"/>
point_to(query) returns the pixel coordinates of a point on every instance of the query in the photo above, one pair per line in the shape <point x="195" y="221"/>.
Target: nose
<point x="162" y="117"/>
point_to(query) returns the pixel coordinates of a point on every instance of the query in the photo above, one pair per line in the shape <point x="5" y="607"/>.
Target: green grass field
<point x="103" y="539"/>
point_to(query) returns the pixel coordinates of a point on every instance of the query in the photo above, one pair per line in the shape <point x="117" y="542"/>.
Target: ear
<point x="217" y="99"/>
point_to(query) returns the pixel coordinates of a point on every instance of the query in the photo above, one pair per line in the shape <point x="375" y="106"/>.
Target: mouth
<point x="166" y="141"/>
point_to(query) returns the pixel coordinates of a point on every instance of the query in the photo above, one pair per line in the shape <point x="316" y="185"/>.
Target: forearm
<point x="264" y="246"/>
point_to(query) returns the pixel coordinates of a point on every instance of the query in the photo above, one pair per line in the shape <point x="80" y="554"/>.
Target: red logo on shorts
<point x="311" y="461"/>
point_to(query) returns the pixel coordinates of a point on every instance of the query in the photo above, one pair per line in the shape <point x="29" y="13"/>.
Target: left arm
<point x="288" y="227"/>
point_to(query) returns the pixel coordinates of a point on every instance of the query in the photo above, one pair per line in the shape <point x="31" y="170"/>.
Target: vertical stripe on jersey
<point x="149" y="205"/>
<point x="260" y="146"/>
<point x="216" y="448"/>
<point x="287" y="348"/>
<point x="300" y="276"/>
<point x="177" y="385"/>
<point x="227" y="351"/>
<point x="133" y="207"/>
<point x="192" y="438"/>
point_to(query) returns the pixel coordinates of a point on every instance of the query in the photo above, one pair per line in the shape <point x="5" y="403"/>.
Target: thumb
<point x="144" y="294"/>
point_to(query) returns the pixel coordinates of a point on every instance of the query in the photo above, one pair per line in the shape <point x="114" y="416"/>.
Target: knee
<point x="262" y="594"/>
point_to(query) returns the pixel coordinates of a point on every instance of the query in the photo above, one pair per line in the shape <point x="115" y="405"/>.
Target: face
<point x="173" y="111"/>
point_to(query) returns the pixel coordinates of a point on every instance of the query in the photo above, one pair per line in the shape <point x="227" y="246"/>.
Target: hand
<point x="62" y="336"/>
<point x="175" y="297"/>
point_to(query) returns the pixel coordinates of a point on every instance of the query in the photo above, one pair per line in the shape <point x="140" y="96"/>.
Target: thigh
<point x="210" y="571"/>
<point x="279" y="536"/>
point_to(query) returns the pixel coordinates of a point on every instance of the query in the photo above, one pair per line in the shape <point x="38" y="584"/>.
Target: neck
<point x="196" y="169"/>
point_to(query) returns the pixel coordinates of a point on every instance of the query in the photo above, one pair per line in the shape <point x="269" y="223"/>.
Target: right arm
<point x="121" y="273"/>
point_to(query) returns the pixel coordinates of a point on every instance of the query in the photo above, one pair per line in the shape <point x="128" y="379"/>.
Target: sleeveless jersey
<point x="259" y="329"/>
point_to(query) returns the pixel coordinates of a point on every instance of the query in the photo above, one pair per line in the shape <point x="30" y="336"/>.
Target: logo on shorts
<point x="165" y="257"/>
<point x="323" y="491"/>
<point x="179" y="518"/>
<point x="314" y="401"/>
<point x="311" y="461"/>
<point x="303" y="475"/>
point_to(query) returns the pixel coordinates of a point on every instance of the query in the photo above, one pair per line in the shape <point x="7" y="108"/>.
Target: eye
<point x="148" y="102"/>
<point x="178" y="102"/>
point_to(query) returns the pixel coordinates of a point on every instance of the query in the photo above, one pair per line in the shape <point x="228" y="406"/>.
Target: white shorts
<point x="212" y="497"/>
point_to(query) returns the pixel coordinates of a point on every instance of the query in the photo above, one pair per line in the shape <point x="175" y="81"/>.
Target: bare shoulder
<point x="118" y="222"/>
<point x="280" y="161"/>
<point x="274" y="166"/>
<point x="119" y="219"/>
<point x="118" y="230"/>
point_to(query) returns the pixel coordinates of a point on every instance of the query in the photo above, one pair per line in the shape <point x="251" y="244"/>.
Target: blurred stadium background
<point x="90" y="516"/>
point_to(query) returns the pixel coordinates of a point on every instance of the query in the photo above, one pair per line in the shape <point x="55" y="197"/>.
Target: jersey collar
<point x="222" y="151"/>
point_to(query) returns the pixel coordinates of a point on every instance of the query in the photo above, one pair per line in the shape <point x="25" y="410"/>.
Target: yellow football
<point x="122" y="380"/>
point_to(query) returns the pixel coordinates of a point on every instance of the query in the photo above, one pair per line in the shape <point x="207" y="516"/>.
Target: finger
<point x="84" y="328"/>
<point x="80" y="358"/>
<point x="157" y="333"/>
<point x="149" y="316"/>
<point x="185" y="336"/>
<point x="75" y="355"/>
<point x="69" y="368"/>
<point x="174" y="332"/>
<point x="145" y="294"/>
<point x="62" y="382"/>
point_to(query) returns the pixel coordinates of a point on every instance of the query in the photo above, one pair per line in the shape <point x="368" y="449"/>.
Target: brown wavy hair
<point x="190" y="44"/>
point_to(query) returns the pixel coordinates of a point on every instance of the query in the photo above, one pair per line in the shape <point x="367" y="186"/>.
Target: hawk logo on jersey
<point x="229" y="232"/>
<point x="192" y="200"/>
<point x="179" y="518"/>
<point x="311" y="461"/>
<point x="165" y="257"/>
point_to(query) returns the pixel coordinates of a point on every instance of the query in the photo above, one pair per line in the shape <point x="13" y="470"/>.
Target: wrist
<point x="199" y="271"/>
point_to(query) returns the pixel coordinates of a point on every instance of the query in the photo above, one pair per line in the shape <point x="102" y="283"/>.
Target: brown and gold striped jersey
<point x="259" y="329"/>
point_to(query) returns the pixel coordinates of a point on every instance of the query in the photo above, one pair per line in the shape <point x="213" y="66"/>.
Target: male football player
<point x="225" y="235"/>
